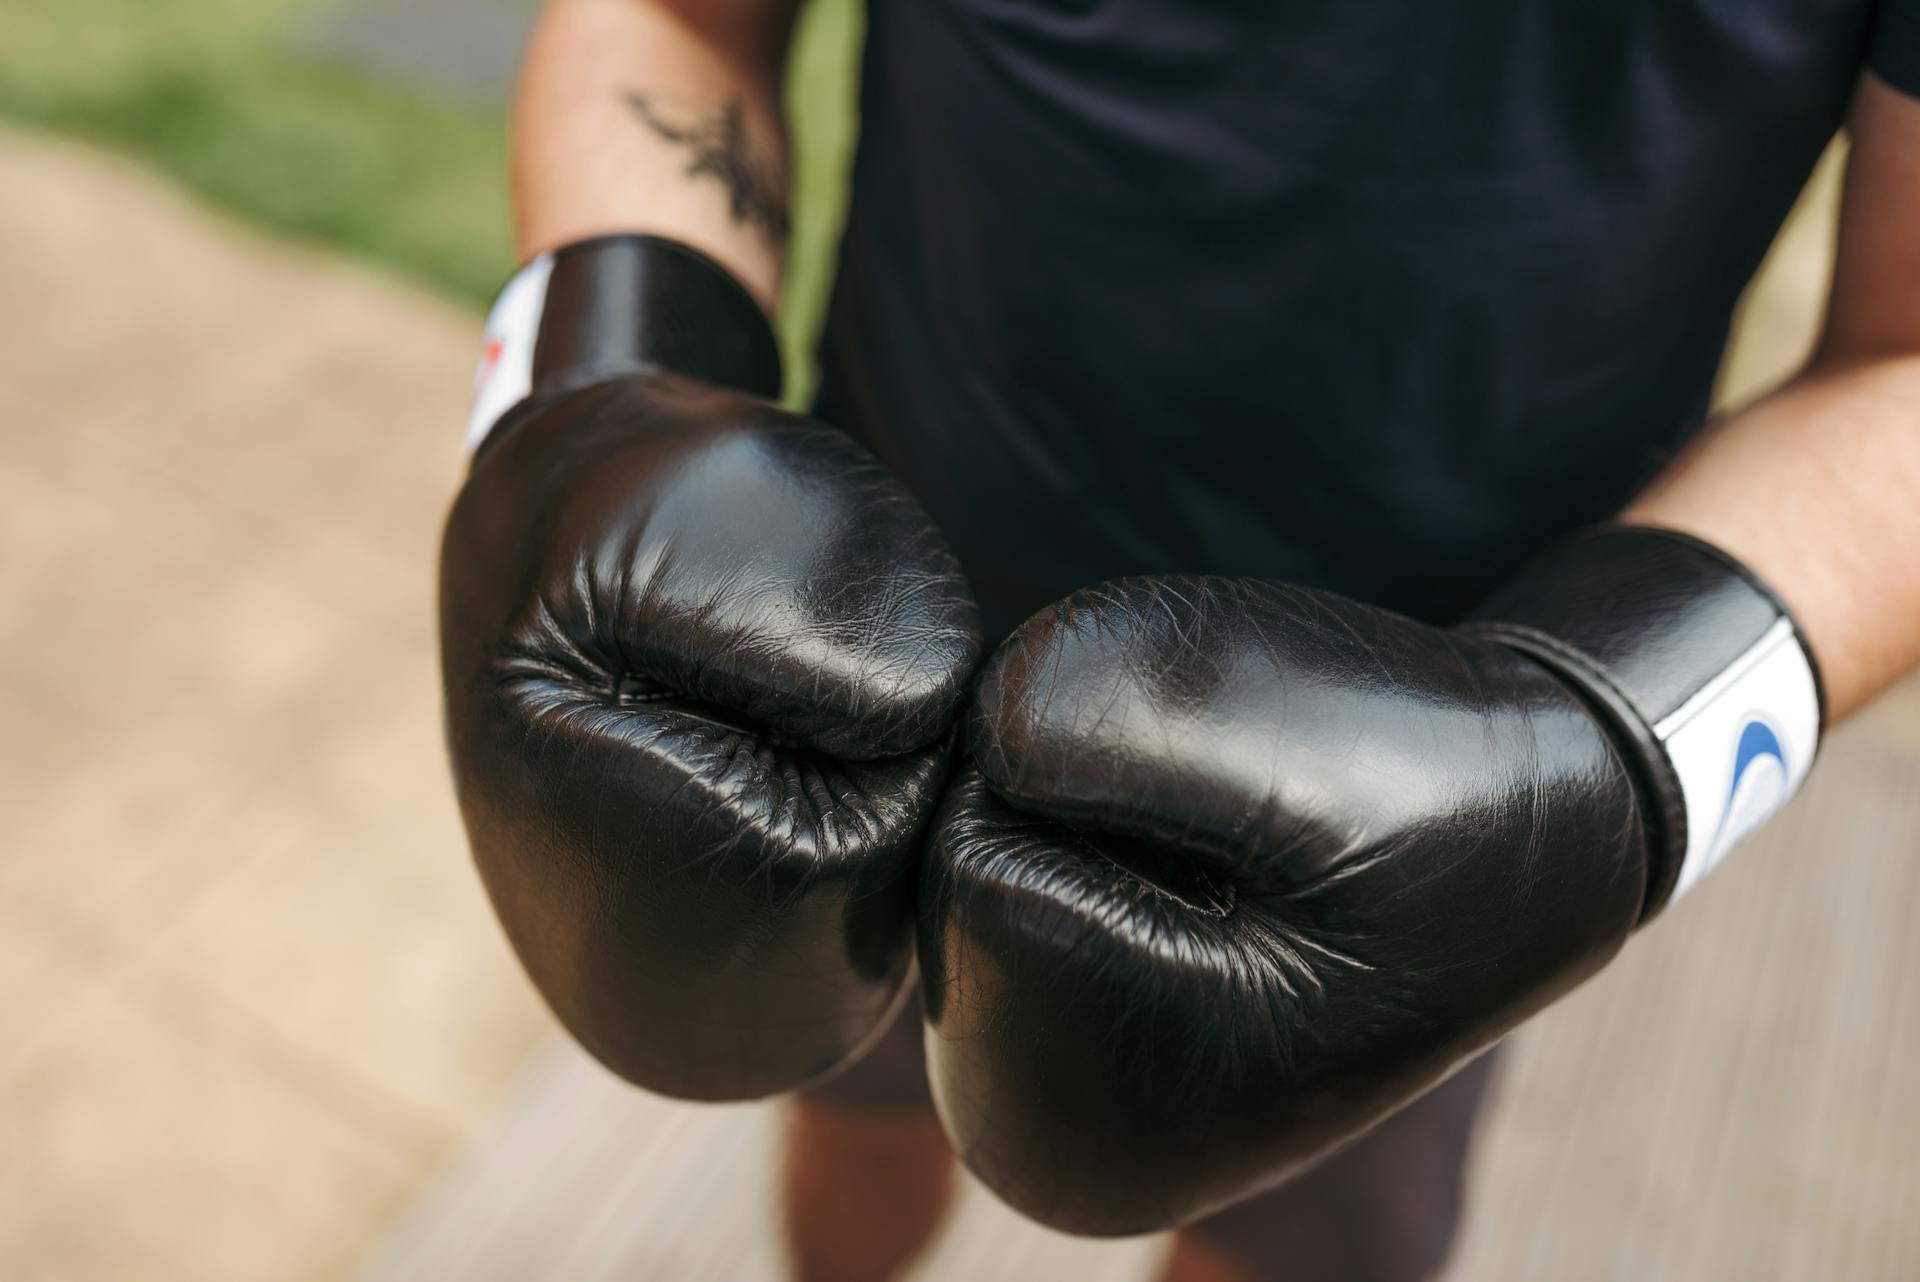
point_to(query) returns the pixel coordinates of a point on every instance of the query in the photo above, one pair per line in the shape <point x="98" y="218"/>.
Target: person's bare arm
<point x="1817" y="487"/>
<point x="657" y="116"/>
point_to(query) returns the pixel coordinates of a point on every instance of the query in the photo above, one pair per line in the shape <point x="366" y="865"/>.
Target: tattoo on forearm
<point x="756" y="185"/>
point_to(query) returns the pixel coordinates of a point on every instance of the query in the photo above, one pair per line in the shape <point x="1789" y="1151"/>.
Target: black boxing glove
<point x="702" y="661"/>
<point x="1244" y="867"/>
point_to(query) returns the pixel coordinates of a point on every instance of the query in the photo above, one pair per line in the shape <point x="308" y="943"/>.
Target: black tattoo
<point x="756" y="186"/>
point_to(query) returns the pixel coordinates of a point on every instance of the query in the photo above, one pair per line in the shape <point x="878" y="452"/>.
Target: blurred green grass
<point x="218" y="94"/>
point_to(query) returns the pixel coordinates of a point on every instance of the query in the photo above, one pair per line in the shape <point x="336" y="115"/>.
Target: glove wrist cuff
<point x="617" y="305"/>
<point x="1698" y="666"/>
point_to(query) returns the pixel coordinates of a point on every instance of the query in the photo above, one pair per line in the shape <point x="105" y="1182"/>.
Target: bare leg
<point x="1194" y="1259"/>
<point x="863" y="1191"/>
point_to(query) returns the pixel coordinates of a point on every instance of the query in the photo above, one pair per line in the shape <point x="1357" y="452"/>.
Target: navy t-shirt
<point x="1376" y="295"/>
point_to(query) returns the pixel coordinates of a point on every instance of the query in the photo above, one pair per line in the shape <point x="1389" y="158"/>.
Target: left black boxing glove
<point x="1244" y="867"/>
<point x="702" y="658"/>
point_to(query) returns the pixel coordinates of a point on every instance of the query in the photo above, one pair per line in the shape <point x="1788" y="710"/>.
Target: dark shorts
<point x="1384" y="1209"/>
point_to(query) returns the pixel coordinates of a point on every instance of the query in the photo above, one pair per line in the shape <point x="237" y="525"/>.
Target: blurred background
<point x="256" y="1021"/>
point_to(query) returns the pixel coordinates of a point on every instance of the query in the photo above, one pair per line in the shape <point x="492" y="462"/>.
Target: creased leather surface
<point x="702" y="659"/>
<point x="1242" y="868"/>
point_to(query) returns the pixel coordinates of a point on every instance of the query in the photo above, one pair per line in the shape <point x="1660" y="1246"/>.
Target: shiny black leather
<point x="1639" y="620"/>
<point x="703" y="659"/>
<point x="1242" y="868"/>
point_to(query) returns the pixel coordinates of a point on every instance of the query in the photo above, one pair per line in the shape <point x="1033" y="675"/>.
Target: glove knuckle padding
<point x="702" y="657"/>
<point x="1241" y="869"/>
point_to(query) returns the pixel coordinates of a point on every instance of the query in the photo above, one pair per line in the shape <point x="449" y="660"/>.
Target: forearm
<point x="657" y="116"/>
<point x="1815" y="487"/>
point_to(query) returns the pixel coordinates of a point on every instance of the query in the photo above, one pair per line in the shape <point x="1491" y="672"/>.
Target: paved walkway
<point x="258" y="1022"/>
<point x="251" y="995"/>
<point x="467" y="50"/>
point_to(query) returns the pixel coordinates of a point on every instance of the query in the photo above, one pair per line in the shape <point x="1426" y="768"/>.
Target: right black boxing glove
<point x="1244" y="867"/>
<point x="702" y="659"/>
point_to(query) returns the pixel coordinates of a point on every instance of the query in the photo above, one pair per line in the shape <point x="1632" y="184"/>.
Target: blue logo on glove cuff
<point x="1759" y="786"/>
<point x="1741" y="747"/>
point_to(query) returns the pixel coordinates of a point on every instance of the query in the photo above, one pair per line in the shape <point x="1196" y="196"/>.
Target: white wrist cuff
<point x="1741" y="746"/>
<point x="505" y="375"/>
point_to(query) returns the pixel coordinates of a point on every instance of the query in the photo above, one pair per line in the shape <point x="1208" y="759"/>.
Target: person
<point x="1377" y="300"/>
